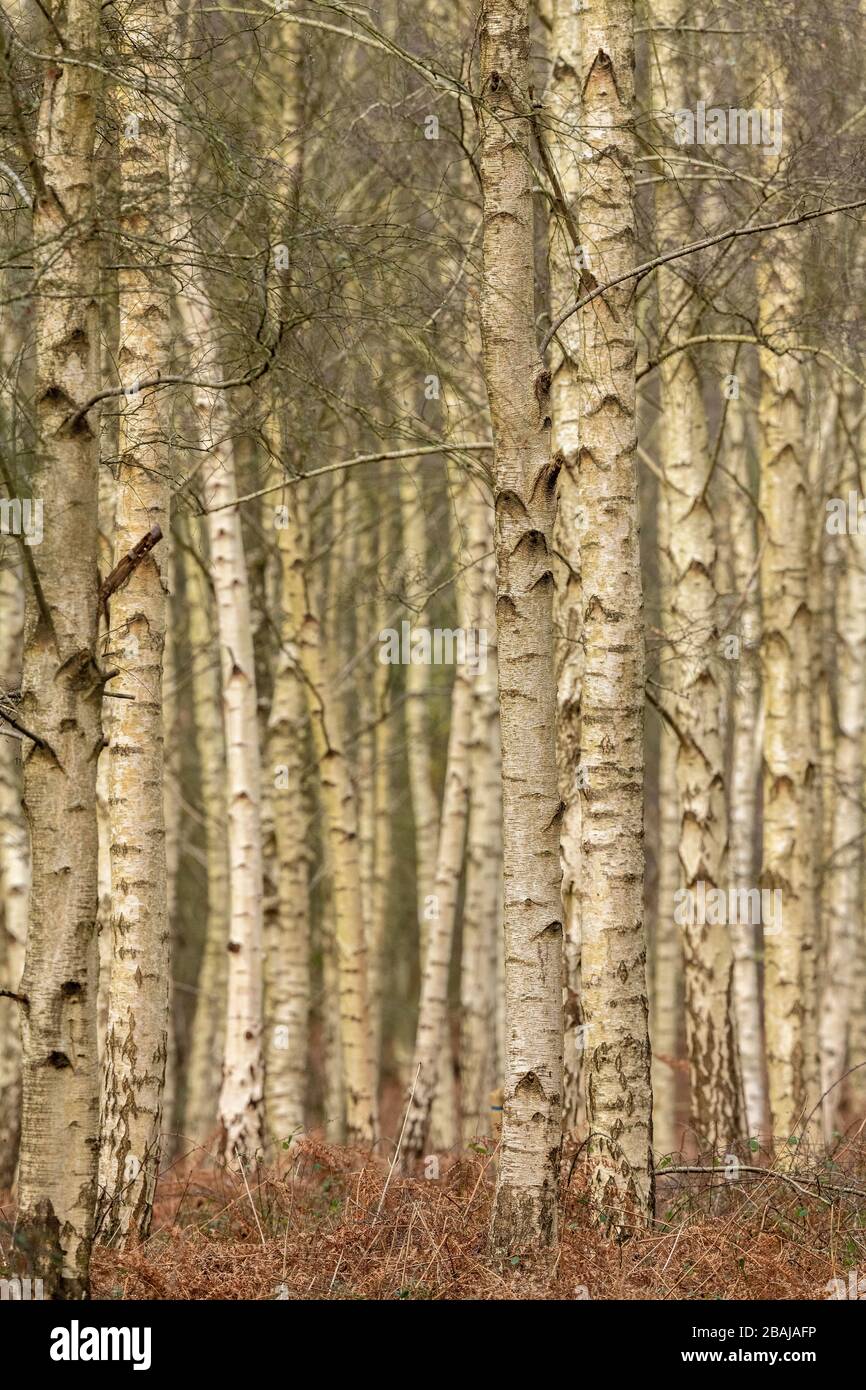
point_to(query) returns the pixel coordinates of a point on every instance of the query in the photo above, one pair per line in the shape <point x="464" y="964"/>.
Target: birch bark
<point x="788" y="756"/>
<point x="599" y="496"/>
<point x="695" y="670"/>
<point x="61" y="691"/>
<point x="241" y="1095"/>
<point x="138" y="998"/>
<point x="525" y="1211"/>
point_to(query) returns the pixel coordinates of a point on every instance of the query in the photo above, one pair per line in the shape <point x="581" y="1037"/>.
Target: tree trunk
<point x="744" y="827"/>
<point x="789" y="827"/>
<point x="694" y="670"/>
<point x="599" y="493"/>
<point x="288" y="958"/>
<point x="525" y="1211"/>
<point x="341" y="819"/>
<point x="208" y="1026"/>
<point x="431" y="1064"/>
<point x="62" y="694"/>
<point x="14" y="837"/>
<point x="138" y="999"/>
<point x="844" y="855"/>
<point x="241" y="1095"/>
<point x="425" y="809"/>
<point x="14" y="869"/>
<point x="482" y="900"/>
<point x="563" y="112"/>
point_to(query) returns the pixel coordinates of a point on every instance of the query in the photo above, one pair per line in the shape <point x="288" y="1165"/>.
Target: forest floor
<point x="329" y="1223"/>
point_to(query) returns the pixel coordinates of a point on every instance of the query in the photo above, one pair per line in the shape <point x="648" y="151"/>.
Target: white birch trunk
<point x="138" y="999"/>
<point x="61" y="694"/>
<point x="789" y="826"/>
<point x="207" y="1041"/>
<point x="743" y="822"/>
<point x="241" y="1095"/>
<point x="844" y="856"/>
<point x="600" y="497"/>
<point x="481" y="907"/>
<point x="288" y="964"/>
<point x="432" y="1064"/>
<point x="525" y="1212"/>
<point x="694" y="669"/>
<point x="562" y="120"/>
<point x="14" y="864"/>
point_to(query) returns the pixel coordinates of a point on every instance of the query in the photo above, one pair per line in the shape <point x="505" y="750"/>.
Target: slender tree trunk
<point x="745" y="765"/>
<point x="208" y="1025"/>
<point x="109" y="448"/>
<point x="424" y="799"/>
<point x="789" y="763"/>
<point x="668" y="961"/>
<point x="694" y="670"/>
<point x="62" y="693"/>
<point x="600" y="494"/>
<point x="175" y="1055"/>
<point x="566" y="258"/>
<point x="431" y="1066"/>
<point x="335" y="1096"/>
<point x="14" y="869"/>
<point x="425" y="809"/>
<point x="844" y="855"/>
<point x="384" y="748"/>
<point x="138" y="1001"/>
<point x="14" y="837"/>
<point x="241" y="1095"/>
<point x="365" y="779"/>
<point x="287" y="925"/>
<point x="240" y="1104"/>
<point x="826" y="569"/>
<point x="339" y="803"/>
<point x="288" y="964"/>
<point x="525" y="1211"/>
<point x="855" y="1086"/>
<point x="481" y="918"/>
<point x="425" y="806"/>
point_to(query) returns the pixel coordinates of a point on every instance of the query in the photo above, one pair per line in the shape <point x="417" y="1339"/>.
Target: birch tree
<point x="566" y="264"/>
<point x="840" y="1000"/>
<point x="14" y="865"/>
<point x="518" y="384"/>
<point x="598" y="493"/>
<point x="138" y="1000"/>
<point x="695" y="669"/>
<point x="240" y="1103"/>
<point x="788" y="757"/>
<point x="208" y="1027"/>
<point x="745" y="762"/>
<point x="62" y="684"/>
<point x="341" y="821"/>
<point x="288" y="974"/>
<point x="425" y="809"/>
<point x="14" y="838"/>
<point x="482" y="904"/>
<point x="432" y="1052"/>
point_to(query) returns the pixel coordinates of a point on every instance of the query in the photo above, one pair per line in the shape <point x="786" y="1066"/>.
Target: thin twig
<point x="399" y="1145"/>
<point x="250" y="1195"/>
